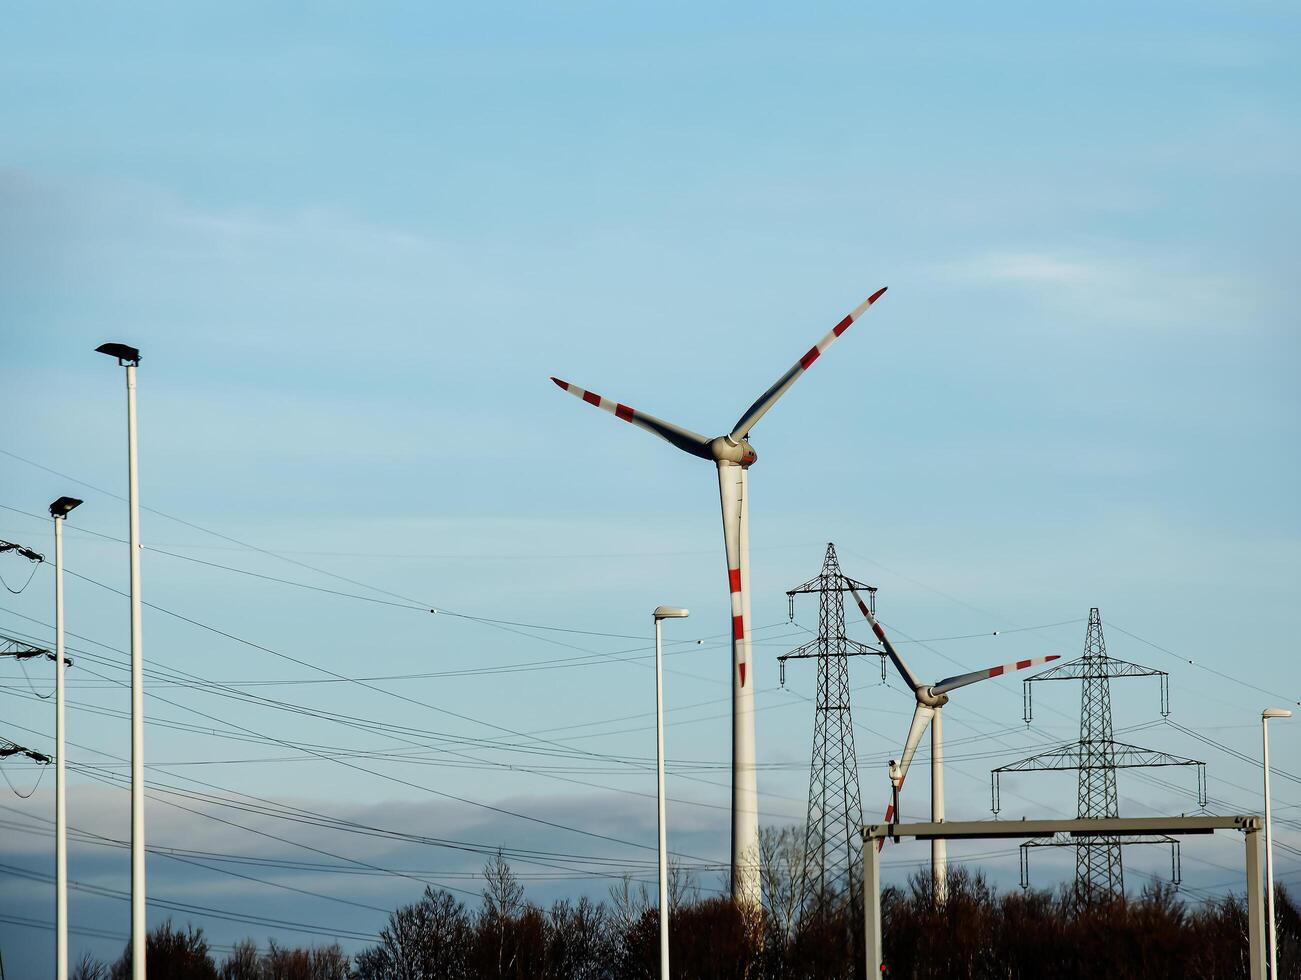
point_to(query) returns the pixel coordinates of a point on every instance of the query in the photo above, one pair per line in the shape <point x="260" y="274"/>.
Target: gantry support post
<point x="872" y="908"/>
<point x="1255" y="908"/>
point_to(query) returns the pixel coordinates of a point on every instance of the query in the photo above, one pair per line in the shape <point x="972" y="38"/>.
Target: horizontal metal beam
<point x="1111" y="826"/>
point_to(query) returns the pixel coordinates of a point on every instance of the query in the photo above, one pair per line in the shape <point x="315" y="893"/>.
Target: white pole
<point x="939" y="847"/>
<point x="659" y="776"/>
<point x="60" y="788"/>
<point x="137" y="699"/>
<point x="1265" y="716"/>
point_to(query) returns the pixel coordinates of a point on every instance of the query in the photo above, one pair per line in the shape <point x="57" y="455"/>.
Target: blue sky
<point x="353" y="243"/>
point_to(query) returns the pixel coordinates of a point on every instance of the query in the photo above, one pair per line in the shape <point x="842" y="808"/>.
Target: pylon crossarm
<point x="816" y="585"/>
<point x="1094" y="667"/>
<point x="813" y="649"/>
<point x="1087" y="667"/>
<point x="9" y="647"/>
<point x="1078" y="756"/>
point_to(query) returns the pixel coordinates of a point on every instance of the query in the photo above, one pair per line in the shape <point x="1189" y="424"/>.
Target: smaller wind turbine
<point x="931" y="698"/>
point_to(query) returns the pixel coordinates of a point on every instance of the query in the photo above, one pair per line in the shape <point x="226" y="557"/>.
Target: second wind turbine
<point x="733" y="455"/>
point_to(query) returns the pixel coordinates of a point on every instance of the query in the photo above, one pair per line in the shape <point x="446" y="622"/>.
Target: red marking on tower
<point x="1023" y="664"/>
<point x="809" y="358"/>
<point x="995" y="671"/>
<point x="623" y="411"/>
<point x="741" y="668"/>
<point x="738" y="627"/>
<point x="592" y="398"/>
<point x="734" y="578"/>
<point x="842" y="326"/>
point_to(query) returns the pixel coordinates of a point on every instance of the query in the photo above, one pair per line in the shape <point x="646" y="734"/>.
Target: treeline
<point x="976" y="933"/>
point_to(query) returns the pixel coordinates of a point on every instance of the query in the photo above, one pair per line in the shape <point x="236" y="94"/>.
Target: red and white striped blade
<point x="962" y="680"/>
<point x="908" y="676"/>
<point x="684" y="439"/>
<point x="921" y="721"/>
<point x="769" y="398"/>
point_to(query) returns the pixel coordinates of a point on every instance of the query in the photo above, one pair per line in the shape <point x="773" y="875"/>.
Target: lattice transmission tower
<point x="833" y="830"/>
<point x="1099" y="867"/>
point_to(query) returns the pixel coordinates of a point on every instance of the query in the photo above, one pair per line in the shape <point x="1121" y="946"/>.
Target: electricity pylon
<point x="1099" y="867"/>
<point x="832" y="836"/>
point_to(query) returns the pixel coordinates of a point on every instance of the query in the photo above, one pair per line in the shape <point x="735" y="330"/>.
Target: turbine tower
<point x="931" y="699"/>
<point x="733" y="455"/>
<point x="833" y="830"/>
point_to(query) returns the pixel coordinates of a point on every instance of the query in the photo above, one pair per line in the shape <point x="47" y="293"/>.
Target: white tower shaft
<point x="939" y="848"/>
<point x="60" y="785"/>
<point x="732" y="487"/>
<point x="138" y="936"/>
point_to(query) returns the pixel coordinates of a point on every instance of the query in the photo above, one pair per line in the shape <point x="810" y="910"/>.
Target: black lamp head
<point x="64" y="506"/>
<point x="123" y="353"/>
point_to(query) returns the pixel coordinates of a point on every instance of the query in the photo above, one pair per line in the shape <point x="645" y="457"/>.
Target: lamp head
<point x="671" y="612"/>
<point x="124" y="354"/>
<point x="64" y="506"/>
<point x="1276" y="713"/>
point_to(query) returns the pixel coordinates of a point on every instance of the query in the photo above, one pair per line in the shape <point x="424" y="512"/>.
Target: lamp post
<point x="1265" y="716"/>
<point x="59" y="510"/>
<point x="129" y="358"/>
<point x="662" y="613"/>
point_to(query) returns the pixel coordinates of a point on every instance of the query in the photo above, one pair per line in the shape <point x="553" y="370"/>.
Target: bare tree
<point x="683" y="887"/>
<point x="243" y="962"/>
<point x="629" y="904"/>
<point x="429" y="939"/>
<point x="503" y="895"/>
<point x="781" y="867"/>
<point x="89" y="968"/>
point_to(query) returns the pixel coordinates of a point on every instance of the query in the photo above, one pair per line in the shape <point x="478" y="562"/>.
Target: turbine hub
<point x="725" y="449"/>
<point x="926" y="695"/>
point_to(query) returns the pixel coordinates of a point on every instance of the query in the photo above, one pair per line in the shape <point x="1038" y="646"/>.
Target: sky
<point x="353" y="243"/>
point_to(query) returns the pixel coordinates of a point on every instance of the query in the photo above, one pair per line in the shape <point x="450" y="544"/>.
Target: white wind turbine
<point x="733" y="455"/>
<point x="931" y="698"/>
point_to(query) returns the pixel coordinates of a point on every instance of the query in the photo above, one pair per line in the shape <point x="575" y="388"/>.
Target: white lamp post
<point x="129" y="358"/>
<point x="1265" y="716"/>
<point x="662" y="613"/>
<point x="59" y="510"/>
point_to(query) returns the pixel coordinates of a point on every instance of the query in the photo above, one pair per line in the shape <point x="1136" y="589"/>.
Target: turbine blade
<point x="684" y="439"/>
<point x="921" y="721"/>
<point x="769" y="398"/>
<point x="908" y="676"/>
<point x="962" y="680"/>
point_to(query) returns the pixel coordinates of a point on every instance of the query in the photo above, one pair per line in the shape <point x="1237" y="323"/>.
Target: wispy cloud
<point x="1124" y="287"/>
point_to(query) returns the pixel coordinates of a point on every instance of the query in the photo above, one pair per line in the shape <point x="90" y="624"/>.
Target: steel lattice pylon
<point x="833" y="829"/>
<point x="1099" y="867"/>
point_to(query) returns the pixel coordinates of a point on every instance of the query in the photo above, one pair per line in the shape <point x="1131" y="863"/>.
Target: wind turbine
<point x="931" y="698"/>
<point x="733" y="455"/>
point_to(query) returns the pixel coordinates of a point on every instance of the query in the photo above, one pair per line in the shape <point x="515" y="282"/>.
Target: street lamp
<point x="662" y="613"/>
<point x="129" y="357"/>
<point x="59" y="510"/>
<point x="1265" y="716"/>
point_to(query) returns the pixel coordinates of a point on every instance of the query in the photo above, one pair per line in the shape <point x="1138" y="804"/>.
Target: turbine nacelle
<point x="927" y="695"/>
<point x="726" y="449"/>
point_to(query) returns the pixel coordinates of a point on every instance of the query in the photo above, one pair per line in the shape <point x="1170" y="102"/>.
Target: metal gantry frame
<point x="1250" y="825"/>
